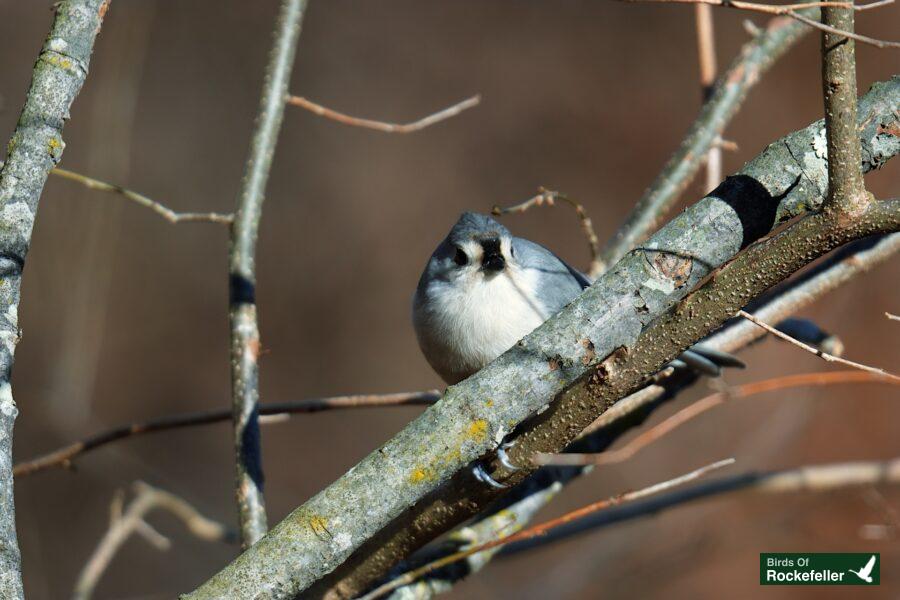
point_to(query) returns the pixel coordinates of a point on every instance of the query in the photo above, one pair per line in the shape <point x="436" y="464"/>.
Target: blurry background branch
<point x="165" y="212"/>
<point x="245" y="344"/>
<point x="418" y="125"/>
<point x="122" y="525"/>
<point x="64" y="457"/>
<point x="34" y="150"/>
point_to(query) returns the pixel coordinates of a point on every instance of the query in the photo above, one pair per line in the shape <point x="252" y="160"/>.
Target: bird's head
<point x="477" y="248"/>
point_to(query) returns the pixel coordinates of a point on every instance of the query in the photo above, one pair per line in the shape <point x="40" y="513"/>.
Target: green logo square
<point x="819" y="568"/>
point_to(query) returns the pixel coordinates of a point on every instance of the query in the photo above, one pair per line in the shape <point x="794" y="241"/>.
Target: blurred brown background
<point x="124" y="314"/>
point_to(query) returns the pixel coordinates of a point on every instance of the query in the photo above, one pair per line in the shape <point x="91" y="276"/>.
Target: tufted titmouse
<point x="483" y="290"/>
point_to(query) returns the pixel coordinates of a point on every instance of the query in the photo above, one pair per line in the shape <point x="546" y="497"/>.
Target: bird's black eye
<point x="460" y="257"/>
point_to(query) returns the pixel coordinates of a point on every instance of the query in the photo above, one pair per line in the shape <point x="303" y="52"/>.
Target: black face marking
<point x="491" y="246"/>
<point x="493" y="258"/>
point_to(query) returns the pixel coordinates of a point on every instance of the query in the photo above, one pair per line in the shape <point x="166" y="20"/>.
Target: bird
<point x="866" y="572"/>
<point x="483" y="290"/>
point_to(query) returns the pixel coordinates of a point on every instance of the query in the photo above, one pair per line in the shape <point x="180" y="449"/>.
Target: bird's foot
<point x="481" y="474"/>
<point x="503" y="457"/>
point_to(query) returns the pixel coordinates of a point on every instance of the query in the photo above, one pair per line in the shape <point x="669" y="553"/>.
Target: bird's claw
<point x="503" y="457"/>
<point x="482" y="475"/>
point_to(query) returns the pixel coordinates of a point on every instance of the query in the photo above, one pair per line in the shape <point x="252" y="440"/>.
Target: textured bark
<point x="35" y="148"/>
<point x="788" y="179"/>
<point x="242" y="274"/>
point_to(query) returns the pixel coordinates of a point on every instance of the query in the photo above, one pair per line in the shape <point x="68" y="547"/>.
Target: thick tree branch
<point x="242" y="274"/>
<point x="846" y="191"/>
<point x="755" y="58"/>
<point x="519" y="507"/>
<point x="567" y="350"/>
<point x="35" y="148"/>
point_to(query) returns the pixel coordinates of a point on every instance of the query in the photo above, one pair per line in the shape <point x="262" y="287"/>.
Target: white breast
<point x="462" y="326"/>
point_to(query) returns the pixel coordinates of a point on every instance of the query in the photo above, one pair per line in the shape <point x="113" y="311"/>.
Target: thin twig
<point x="549" y="197"/>
<point x="790" y="10"/>
<point x="693" y="410"/>
<point x="706" y="52"/>
<point x="892" y="317"/>
<point x="422" y="123"/>
<point x="815" y="478"/>
<point x="816" y="351"/>
<point x="124" y="524"/>
<point x="543" y="528"/>
<point x="245" y="341"/>
<point x="65" y="456"/>
<point x="165" y="212"/>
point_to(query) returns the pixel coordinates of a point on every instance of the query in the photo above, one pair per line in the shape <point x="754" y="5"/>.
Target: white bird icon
<point x="866" y="572"/>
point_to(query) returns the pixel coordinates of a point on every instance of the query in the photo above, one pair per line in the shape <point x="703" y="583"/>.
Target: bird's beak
<point x="493" y="262"/>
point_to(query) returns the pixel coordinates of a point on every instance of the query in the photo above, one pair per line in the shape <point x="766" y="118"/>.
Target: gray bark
<point x="35" y="148"/>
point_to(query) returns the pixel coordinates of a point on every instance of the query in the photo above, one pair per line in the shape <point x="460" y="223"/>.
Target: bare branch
<point x="245" y="342"/>
<point x="814" y="479"/>
<point x="816" y="351"/>
<point x="549" y="197"/>
<point x="892" y="317"/>
<point x="699" y="407"/>
<point x="124" y="524"/>
<point x="65" y="456"/>
<point x="543" y="528"/>
<point x="745" y="71"/>
<point x="419" y="125"/>
<point x="790" y="10"/>
<point x="165" y="212"/>
<point x="706" y="51"/>
<point x="35" y="148"/>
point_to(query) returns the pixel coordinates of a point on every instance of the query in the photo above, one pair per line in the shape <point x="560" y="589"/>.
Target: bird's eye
<point x="460" y="257"/>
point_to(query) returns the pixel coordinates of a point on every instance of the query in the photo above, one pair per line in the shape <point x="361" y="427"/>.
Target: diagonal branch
<point x="476" y="414"/>
<point x="242" y="275"/>
<point x="162" y="210"/>
<point x="34" y="150"/>
<point x="729" y="92"/>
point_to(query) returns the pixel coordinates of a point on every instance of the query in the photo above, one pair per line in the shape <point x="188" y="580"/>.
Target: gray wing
<point x="559" y="283"/>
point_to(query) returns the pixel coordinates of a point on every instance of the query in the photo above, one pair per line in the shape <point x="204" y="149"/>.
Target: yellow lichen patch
<point x="58" y="61"/>
<point x="319" y="524"/>
<point x="478" y="430"/>
<point x="489" y="402"/>
<point x="54" y="147"/>
<point x="421" y="474"/>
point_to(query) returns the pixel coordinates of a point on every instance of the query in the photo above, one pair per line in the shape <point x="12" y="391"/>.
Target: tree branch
<point x="242" y="275"/>
<point x="123" y="525"/>
<point x="527" y="499"/>
<point x="418" y="125"/>
<point x="815" y="478"/>
<point x="164" y="211"/>
<point x="476" y="414"/>
<point x="34" y="150"/>
<point x="755" y="58"/>
<point x="65" y="456"/>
